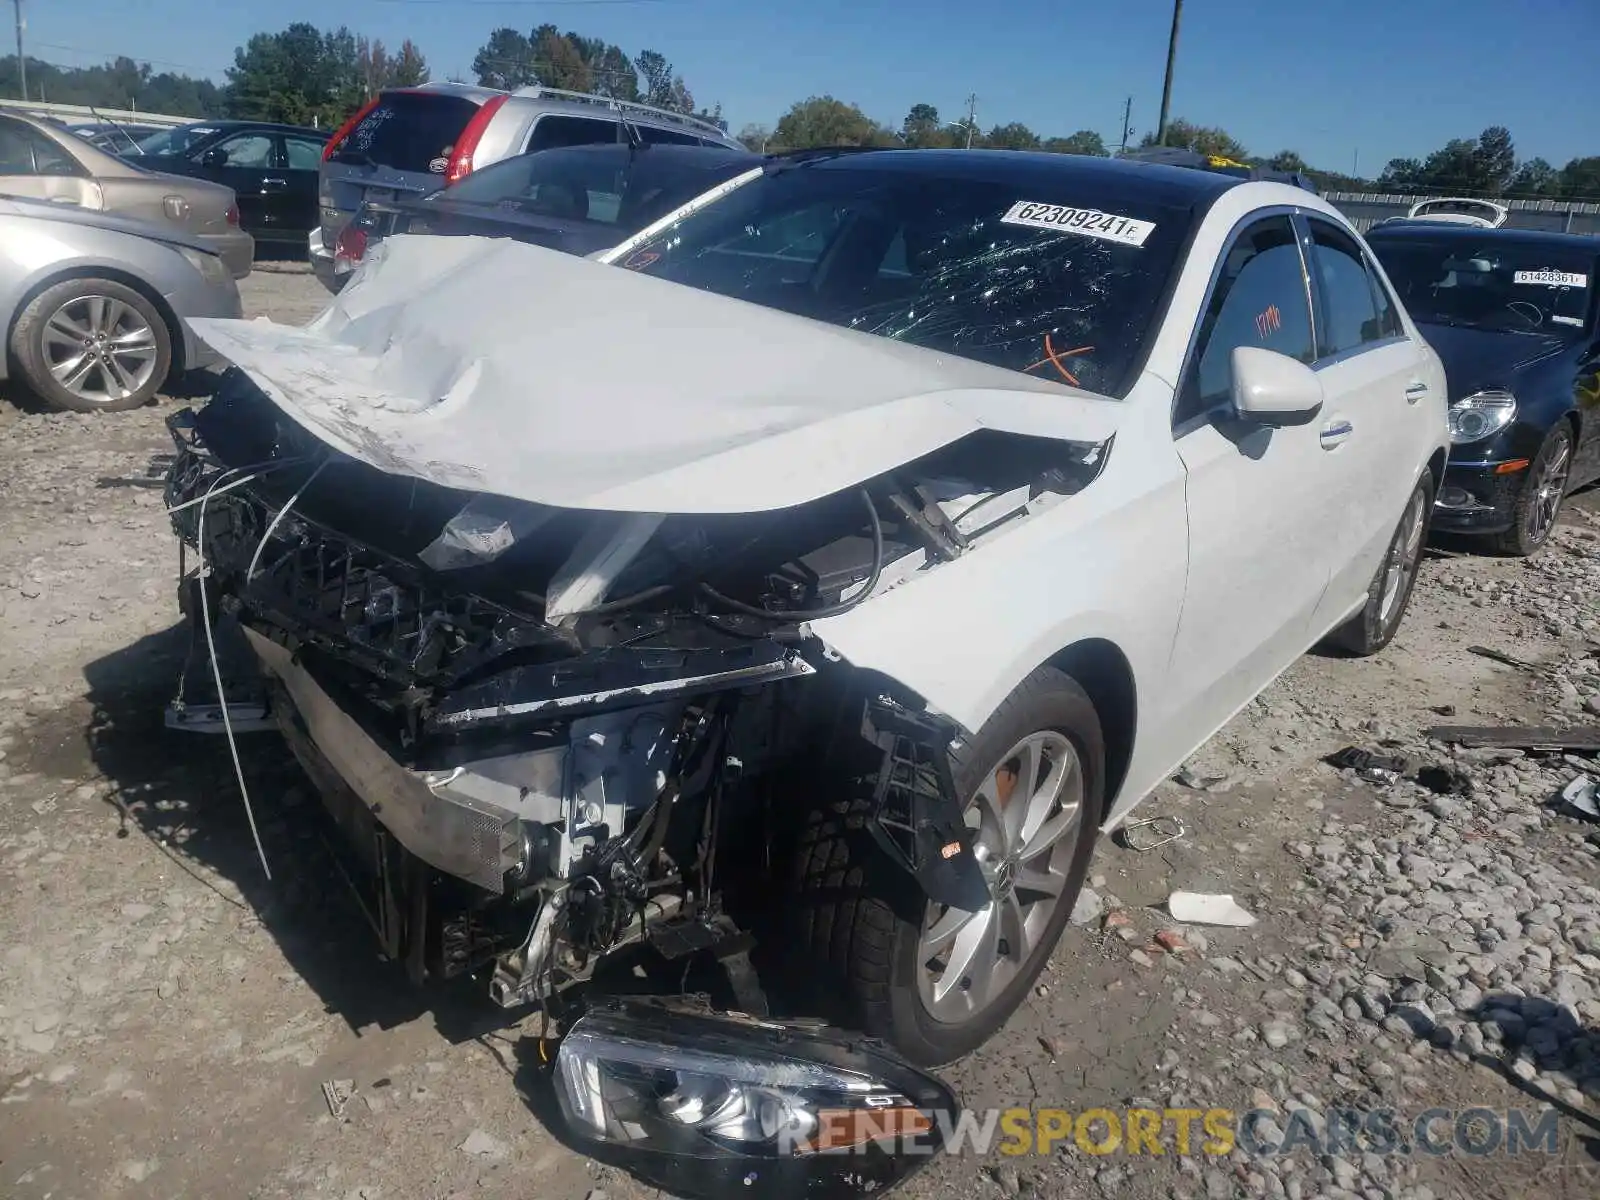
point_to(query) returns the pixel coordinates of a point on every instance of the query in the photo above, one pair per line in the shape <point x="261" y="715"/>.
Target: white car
<point x="845" y="552"/>
<point x="1453" y="210"/>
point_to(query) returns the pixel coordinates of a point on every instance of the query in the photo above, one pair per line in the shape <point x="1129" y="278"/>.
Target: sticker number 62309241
<point x="1086" y="221"/>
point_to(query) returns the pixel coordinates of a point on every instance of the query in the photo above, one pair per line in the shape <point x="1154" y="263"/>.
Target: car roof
<point x="1451" y="231"/>
<point x="230" y="124"/>
<point x="1150" y="182"/>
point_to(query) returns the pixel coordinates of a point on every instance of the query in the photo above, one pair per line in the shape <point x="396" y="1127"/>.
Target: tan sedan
<point x="41" y="161"/>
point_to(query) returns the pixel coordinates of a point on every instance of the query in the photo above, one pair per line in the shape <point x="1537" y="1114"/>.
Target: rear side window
<point x="666" y="137"/>
<point x="550" y="132"/>
<point x="407" y="131"/>
<point x="1351" y="312"/>
<point x="1259" y="300"/>
<point x="25" y="151"/>
<point x="304" y="154"/>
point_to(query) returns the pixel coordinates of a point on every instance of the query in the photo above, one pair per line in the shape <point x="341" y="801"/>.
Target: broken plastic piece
<point x="1579" y="799"/>
<point x="1382" y="769"/>
<point x="1207" y="908"/>
<point x="1161" y="829"/>
<point x="484" y="529"/>
<point x="337" y="1093"/>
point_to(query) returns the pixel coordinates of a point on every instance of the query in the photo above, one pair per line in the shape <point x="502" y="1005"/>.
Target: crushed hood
<point x="507" y="368"/>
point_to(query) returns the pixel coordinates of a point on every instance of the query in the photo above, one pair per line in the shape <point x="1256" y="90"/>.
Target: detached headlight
<point x="209" y="265"/>
<point x="712" y="1106"/>
<point x="1480" y="415"/>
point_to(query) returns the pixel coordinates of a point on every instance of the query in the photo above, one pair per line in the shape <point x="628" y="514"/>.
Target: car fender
<point x="1107" y="564"/>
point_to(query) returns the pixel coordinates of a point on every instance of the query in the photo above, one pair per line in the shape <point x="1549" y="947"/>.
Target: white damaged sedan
<point x="823" y="568"/>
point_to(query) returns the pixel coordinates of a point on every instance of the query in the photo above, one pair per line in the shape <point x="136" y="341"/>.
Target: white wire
<point x="216" y="669"/>
<point x="272" y="525"/>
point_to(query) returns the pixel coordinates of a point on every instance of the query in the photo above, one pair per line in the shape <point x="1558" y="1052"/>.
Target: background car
<point x="96" y="304"/>
<point x="576" y="198"/>
<point x="1512" y="314"/>
<point x="44" y="161"/>
<point x="1460" y="210"/>
<point x="410" y="142"/>
<point x="272" y="169"/>
<point x="115" y="137"/>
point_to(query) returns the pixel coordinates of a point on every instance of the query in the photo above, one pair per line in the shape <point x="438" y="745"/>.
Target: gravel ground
<point x="168" y="1017"/>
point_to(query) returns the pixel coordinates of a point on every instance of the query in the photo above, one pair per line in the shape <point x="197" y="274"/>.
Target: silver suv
<point x="409" y="142"/>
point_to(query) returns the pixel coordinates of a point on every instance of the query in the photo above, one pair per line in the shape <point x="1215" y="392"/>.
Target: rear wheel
<point x="1389" y="594"/>
<point x="92" y="345"/>
<point x="937" y="982"/>
<point x="1539" y="502"/>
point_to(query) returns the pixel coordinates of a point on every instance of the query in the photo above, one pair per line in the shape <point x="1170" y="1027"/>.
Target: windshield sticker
<point x="1087" y="221"/>
<point x="439" y="165"/>
<point x="1562" y="319"/>
<point x="1551" y="278"/>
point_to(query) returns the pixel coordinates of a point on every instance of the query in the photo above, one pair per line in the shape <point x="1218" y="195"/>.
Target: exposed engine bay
<point x="547" y="732"/>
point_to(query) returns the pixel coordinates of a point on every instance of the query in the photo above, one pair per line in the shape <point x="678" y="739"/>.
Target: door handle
<point x="1415" y="391"/>
<point x="1335" y="434"/>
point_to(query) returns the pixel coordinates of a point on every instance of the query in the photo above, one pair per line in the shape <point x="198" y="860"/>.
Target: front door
<point x="1259" y="497"/>
<point x="245" y="161"/>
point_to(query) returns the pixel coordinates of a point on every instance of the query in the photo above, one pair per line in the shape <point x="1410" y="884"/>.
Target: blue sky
<point x="1374" y="78"/>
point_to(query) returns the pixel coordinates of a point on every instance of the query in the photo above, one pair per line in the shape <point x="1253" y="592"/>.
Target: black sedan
<point x="1512" y="313"/>
<point x="578" y="199"/>
<point x="271" y="168"/>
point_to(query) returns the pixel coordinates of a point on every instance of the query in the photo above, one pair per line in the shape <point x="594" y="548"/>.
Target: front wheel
<point x="1389" y="594"/>
<point x="92" y="345"/>
<point x="936" y="982"/>
<point x="1539" y="502"/>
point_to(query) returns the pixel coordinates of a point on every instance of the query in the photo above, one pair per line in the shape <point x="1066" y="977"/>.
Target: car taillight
<point x="351" y="244"/>
<point x="344" y="130"/>
<point x="467" y="144"/>
<point x="232" y="215"/>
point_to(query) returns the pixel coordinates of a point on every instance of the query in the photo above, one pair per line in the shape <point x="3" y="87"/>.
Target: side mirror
<point x="724" y="1107"/>
<point x="214" y="158"/>
<point x="1272" y="388"/>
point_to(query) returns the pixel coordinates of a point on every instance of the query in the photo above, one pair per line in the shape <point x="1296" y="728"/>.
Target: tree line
<point x="303" y="75"/>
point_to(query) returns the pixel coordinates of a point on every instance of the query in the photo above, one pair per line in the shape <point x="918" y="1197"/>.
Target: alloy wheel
<point x="100" y="348"/>
<point x="1550" y="488"/>
<point x="1025" y="814"/>
<point x="1404" y="554"/>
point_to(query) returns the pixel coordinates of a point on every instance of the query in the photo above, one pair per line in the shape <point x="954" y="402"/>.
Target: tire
<point x="122" y="343"/>
<point x="1374" y="627"/>
<point x="1538" y="505"/>
<point x="861" y="919"/>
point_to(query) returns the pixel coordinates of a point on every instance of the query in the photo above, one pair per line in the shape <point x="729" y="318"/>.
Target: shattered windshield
<point x="1495" y="283"/>
<point x="1065" y="283"/>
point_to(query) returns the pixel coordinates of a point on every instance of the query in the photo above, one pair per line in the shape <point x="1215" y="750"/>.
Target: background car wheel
<point x="1375" y="625"/>
<point x="92" y="345"/>
<point x="1539" y="502"/>
<point x="934" y="982"/>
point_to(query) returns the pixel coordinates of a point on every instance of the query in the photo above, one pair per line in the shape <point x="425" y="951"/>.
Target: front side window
<point x="1053" y="277"/>
<point x="1348" y="316"/>
<point x="247" y="150"/>
<point x="1492" y="282"/>
<point x="1259" y="299"/>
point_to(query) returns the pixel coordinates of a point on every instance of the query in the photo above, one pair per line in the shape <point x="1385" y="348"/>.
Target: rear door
<point x="35" y="168"/>
<point x="401" y="147"/>
<point x="1380" y="413"/>
<point x="301" y="158"/>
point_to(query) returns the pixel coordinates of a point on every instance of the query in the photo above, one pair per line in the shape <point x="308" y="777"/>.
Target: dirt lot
<point x="168" y="1016"/>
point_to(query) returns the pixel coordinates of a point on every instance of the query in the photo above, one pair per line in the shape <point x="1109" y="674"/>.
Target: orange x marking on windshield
<point x="1054" y="359"/>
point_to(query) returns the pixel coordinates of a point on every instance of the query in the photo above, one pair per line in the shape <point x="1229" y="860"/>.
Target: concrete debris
<point x="1203" y="908"/>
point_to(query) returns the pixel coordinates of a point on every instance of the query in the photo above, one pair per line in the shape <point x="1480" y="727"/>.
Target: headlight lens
<point x="1481" y="415"/>
<point x="209" y="265"/>
<point x="752" y="1103"/>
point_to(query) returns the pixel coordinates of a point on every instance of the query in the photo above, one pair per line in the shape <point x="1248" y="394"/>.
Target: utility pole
<point x="1355" y="163"/>
<point x="1127" y="116"/>
<point x="972" y="116"/>
<point x="22" y="61"/>
<point x="1166" y="87"/>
